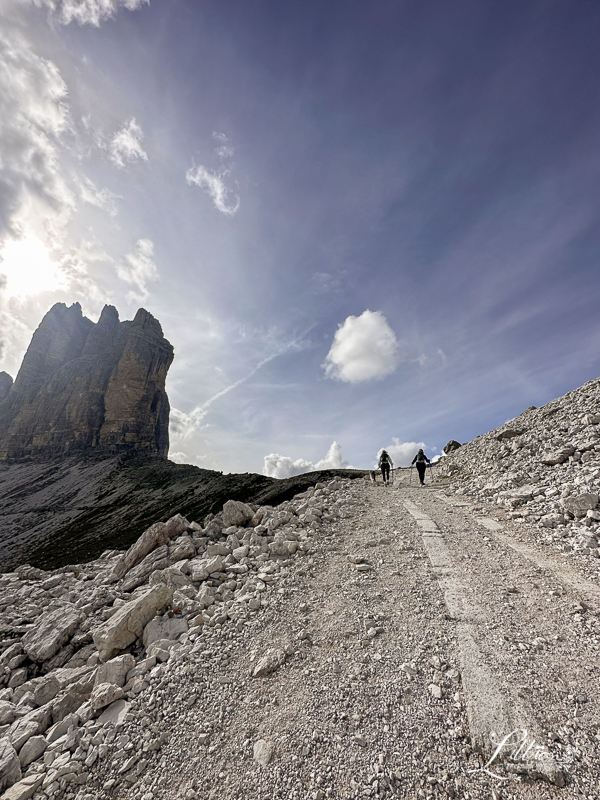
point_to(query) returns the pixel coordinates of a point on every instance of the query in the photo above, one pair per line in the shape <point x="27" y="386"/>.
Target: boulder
<point x="8" y="712"/>
<point x="46" y="689"/>
<point x="591" y="419"/>
<point x="509" y="433"/>
<point x="115" y="713"/>
<point x="157" y="560"/>
<point x="10" y="766"/>
<point x="104" y="694"/>
<point x="198" y="571"/>
<point x="236" y="513"/>
<point x="181" y="549"/>
<point x="32" y="750"/>
<point x="579" y="505"/>
<point x="173" y="578"/>
<point x="115" y="670"/>
<point x="128" y="622"/>
<point x="205" y="597"/>
<point x="155" y="536"/>
<point x="557" y="456"/>
<point x="164" y="628"/>
<point x="214" y="564"/>
<point x="60" y="728"/>
<point x="25" y="788"/>
<point x="452" y="446"/>
<point x="21" y="731"/>
<point x="52" y="630"/>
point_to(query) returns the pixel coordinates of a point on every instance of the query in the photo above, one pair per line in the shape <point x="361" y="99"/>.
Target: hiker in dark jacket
<point x="385" y="462"/>
<point x="421" y="461"/>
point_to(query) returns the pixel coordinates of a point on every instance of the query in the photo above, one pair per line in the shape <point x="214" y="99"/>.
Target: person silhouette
<point x="421" y="461"/>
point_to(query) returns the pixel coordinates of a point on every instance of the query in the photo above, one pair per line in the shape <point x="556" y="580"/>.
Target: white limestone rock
<point x="579" y="505"/>
<point x="32" y="750"/>
<point x="104" y="694"/>
<point x="164" y="628"/>
<point x="236" y="513"/>
<point x="10" y="766"/>
<point x="129" y="621"/>
<point x="156" y="535"/>
<point x="52" y="630"/>
<point x="115" y="670"/>
<point x="115" y="713"/>
<point x="263" y="752"/>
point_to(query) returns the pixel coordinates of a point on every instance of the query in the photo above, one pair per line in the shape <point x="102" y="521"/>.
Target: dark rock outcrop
<point x="86" y="388"/>
<point x="451" y="446"/>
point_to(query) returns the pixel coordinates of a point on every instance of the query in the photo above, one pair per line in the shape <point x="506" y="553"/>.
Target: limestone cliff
<point x="88" y="388"/>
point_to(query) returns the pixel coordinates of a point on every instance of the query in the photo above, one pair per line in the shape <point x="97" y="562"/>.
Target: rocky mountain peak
<point x="87" y="387"/>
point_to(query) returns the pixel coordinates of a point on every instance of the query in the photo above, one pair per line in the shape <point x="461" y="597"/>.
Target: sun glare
<point x="28" y="268"/>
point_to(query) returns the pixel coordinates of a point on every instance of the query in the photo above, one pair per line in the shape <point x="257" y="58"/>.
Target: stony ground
<point x="411" y="623"/>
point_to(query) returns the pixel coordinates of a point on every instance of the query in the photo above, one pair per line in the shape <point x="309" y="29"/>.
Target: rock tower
<point x="88" y="388"/>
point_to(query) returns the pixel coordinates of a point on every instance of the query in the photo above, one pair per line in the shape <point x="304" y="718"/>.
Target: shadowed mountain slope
<point x="59" y="512"/>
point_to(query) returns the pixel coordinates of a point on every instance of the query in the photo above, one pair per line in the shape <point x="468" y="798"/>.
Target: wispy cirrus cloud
<point x="214" y="185"/>
<point x="89" y="12"/>
<point x="213" y="182"/>
<point x="125" y="146"/>
<point x="138" y="269"/>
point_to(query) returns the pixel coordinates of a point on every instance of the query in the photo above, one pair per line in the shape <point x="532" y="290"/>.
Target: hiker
<point x="421" y="461"/>
<point x="385" y="462"/>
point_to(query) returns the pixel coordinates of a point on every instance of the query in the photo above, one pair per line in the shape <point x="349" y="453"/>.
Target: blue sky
<point x="369" y="224"/>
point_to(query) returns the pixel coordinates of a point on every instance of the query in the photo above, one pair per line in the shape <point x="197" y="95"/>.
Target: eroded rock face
<point x="88" y="388"/>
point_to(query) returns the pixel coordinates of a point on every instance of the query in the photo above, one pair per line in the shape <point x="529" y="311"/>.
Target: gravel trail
<point x="367" y="695"/>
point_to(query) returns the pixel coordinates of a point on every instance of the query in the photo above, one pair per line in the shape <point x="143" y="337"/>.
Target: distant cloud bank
<point x="277" y="466"/>
<point x="402" y="453"/>
<point x="364" y="348"/>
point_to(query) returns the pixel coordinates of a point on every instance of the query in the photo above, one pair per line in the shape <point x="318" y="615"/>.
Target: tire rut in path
<point x="535" y="635"/>
<point x="493" y="713"/>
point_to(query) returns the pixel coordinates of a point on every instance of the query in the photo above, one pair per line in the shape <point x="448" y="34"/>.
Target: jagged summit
<point x="89" y="388"/>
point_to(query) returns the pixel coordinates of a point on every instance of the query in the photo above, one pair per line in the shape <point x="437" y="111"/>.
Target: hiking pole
<point x="410" y="478"/>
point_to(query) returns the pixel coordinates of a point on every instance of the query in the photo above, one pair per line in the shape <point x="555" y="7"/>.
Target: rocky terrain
<point x="354" y="641"/>
<point x="84" y="439"/>
<point x="316" y="638"/>
<point x="541" y="468"/>
<point x="88" y="388"/>
<point x="55" y="512"/>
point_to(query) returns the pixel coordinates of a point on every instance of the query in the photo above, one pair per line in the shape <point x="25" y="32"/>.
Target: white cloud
<point x="214" y="185"/>
<point x="88" y="12"/>
<point x="33" y="117"/>
<point x="364" y="348"/>
<point x="138" y="270"/>
<point x="401" y="453"/>
<point x="125" y="146"/>
<point x="276" y="466"/>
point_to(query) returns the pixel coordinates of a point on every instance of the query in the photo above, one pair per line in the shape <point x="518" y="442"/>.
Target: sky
<point x="360" y="224"/>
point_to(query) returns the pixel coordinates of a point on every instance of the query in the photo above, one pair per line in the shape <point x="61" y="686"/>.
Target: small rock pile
<point x="81" y="647"/>
<point x="542" y="467"/>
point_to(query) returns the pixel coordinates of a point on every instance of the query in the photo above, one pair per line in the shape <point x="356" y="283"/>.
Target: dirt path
<point x="409" y="629"/>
